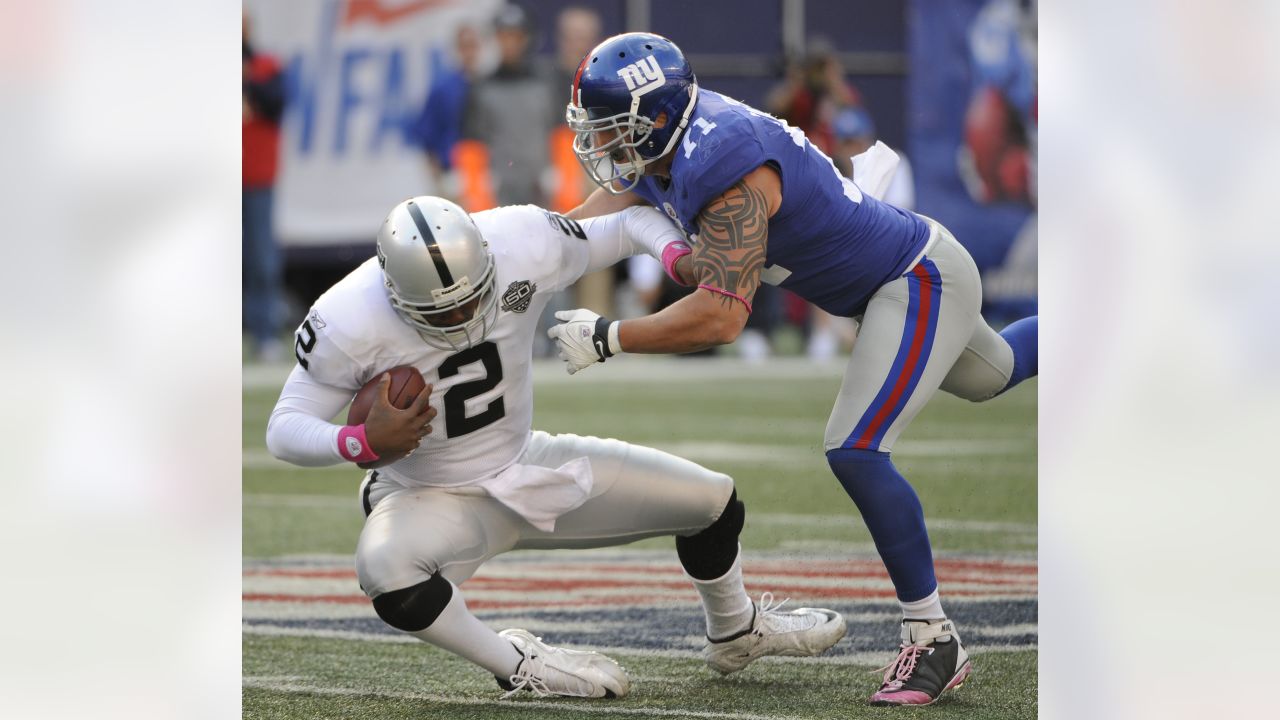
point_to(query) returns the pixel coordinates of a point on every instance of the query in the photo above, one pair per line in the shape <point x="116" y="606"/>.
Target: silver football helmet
<point x="439" y="272"/>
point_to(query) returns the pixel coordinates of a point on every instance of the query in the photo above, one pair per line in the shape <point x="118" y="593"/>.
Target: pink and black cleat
<point x="931" y="662"/>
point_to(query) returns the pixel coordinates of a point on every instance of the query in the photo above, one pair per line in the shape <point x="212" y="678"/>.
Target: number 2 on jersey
<point x="456" y="420"/>
<point x="303" y="342"/>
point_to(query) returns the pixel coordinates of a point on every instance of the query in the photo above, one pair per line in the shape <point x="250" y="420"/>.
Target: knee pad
<point x="710" y="553"/>
<point x="414" y="608"/>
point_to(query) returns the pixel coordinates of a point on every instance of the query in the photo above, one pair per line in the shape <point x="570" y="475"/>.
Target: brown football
<point x="406" y="383"/>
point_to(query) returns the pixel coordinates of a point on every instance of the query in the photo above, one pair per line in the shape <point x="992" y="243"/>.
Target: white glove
<point x="583" y="338"/>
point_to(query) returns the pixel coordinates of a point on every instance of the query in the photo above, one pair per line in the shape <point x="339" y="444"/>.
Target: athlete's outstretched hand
<point x="582" y="339"/>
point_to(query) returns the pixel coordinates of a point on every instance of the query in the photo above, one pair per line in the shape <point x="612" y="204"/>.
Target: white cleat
<point x="803" y="632"/>
<point x="547" y="670"/>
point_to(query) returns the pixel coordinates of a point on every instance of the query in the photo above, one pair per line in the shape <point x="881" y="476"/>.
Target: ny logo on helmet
<point x="642" y="76"/>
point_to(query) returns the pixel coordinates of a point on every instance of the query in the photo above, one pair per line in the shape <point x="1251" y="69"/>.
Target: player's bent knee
<point x="710" y="553"/>
<point x="855" y="466"/>
<point x="389" y="564"/>
<point x="981" y="372"/>
<point x="414" y="608"/>
<point x="973" y="392"/>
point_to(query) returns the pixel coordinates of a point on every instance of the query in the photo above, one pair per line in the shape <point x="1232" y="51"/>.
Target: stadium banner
<point x="971" y="130"/>
<point x="356" y="74"/>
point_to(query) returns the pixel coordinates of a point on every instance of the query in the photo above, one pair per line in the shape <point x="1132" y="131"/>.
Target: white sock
<point x="729" y="609"/>
<point x="462" y="634"/>
<point x="926" y="608"/>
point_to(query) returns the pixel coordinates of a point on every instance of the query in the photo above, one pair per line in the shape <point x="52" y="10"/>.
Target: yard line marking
<point x="253" y="682"/>
<point x="569" y="558"/>
<point x="872" y="658"/>
<point x="1004" y="630"/>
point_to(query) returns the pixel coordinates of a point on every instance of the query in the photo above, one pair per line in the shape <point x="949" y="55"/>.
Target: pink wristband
<point x="353" y="445"/>
<point x="671" y="254"/>
<point x="727" y="294"/>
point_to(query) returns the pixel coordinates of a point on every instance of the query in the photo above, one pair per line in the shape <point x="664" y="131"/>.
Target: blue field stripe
<point x="873" y="625"/>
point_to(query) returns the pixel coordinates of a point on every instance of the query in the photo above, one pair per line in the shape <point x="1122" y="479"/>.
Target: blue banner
<point x="972" y="132"/>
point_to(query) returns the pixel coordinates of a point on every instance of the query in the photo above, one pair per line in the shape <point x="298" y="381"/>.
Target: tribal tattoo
<point x="730" y="251"/>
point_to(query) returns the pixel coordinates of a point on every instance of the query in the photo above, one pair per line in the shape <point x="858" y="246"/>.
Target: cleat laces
<point x="778" y="620"/>
<point x="904" y="665"/>
<point x="524" y="679"/>
<point x="531" y="675"/>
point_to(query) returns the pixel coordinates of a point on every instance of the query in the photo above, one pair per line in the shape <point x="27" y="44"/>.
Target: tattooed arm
<point x="726" y="264"/>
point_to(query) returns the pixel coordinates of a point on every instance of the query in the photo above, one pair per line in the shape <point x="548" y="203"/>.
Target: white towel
<point x="540" y="494"/>
<point x="873" y="168"/>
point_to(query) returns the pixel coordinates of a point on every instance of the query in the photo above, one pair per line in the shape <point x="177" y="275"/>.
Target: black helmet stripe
<point x="442" y="267"/>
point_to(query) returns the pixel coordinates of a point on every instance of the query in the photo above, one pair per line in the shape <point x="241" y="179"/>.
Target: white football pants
<point x="413" y="533"/>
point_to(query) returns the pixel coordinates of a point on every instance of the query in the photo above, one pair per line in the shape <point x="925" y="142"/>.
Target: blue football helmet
<point x="619" y="92"/>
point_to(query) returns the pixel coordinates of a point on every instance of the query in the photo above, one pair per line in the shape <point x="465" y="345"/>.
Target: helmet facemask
<point x="460" y="336"/>
<point x="620" y="158"/>
<point x="617" y="159"/>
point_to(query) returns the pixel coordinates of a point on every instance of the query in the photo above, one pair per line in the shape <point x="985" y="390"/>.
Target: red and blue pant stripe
<point x="924" y="301"/>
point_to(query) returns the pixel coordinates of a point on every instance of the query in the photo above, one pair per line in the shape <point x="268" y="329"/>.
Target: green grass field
<point x="974" y="467"/>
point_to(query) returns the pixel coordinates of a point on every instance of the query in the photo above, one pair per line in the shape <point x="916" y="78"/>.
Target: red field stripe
<point x="480" y="601"/>
<point x="846" y="594"/>
<point x="947" y="573"/>
<point x="482" y="584"/>
<point x="994" y="566"/>
<point x="851" y="570"/>
<point x="528" y="583"/>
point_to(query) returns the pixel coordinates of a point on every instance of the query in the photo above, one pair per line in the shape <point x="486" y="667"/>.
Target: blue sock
<point x="1023" y="336"/>
<point x="892" y="512"/>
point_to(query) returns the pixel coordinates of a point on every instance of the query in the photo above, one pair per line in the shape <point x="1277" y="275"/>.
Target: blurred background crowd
<point x="349" y="106"/>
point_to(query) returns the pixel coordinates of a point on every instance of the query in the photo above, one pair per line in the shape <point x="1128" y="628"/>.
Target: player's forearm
<point x="600" y="202"/>
<point x="299" y="431"/>
<point x="696" y="322"/>
<point x="301" y="439"/>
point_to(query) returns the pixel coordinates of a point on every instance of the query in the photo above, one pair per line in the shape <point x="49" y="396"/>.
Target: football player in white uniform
<point x="458" y="298"/>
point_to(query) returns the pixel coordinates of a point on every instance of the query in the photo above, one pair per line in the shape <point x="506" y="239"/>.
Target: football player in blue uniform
<point x="759" y="203"/>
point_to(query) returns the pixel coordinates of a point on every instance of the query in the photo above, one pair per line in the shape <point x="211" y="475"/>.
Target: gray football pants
<point x="414" y="533"/>
<point x="920" y="332"/>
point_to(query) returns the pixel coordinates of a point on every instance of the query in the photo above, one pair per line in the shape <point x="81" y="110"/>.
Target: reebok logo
<point x="642" y="76"/>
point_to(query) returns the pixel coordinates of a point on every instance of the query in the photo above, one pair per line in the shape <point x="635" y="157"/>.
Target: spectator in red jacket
<point x="262" y="104"/>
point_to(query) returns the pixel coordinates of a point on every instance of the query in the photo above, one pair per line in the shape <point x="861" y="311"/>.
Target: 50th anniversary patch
<point x="518" y="296"/>
<point x="641" y="601"/>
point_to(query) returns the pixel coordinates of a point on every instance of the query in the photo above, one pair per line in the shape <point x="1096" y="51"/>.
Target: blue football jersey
<point x="828" y="243"/>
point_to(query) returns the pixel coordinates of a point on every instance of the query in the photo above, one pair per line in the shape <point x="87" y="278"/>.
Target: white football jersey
<point x="483" y="395"/>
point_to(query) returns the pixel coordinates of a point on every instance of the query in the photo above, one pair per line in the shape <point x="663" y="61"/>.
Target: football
<point x="406" y="383"/>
